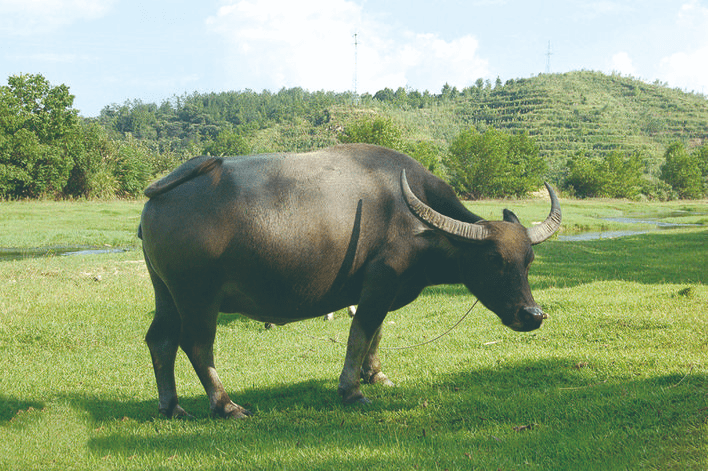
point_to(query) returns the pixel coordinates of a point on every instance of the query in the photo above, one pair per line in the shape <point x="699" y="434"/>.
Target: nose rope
<point x="434" y="338"/>
<point x="333" y="340"/>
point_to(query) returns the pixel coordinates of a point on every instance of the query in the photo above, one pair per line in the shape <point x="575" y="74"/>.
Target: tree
<point x="682" y="171"/>
<point x="582" y="178"/>
<point x="228" y="143"/>
<point x="494" y="164"/>
<point x="381" y="131"/>
<point x="424" y="152"/>
<point x="613" y="176"/>
<point x="701" y="155"/>
<point x="41" y="108"/>
<point x="92" y="152"/>
<point x="132" y="167"/>
<point x="386" y="95"/>
<point x="35" y="121"/>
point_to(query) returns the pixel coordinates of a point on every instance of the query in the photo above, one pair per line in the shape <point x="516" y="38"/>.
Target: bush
<point x="102" y="185"/>
<point x="683" y="171"/>
<point x="426" y="153"/>
<point x="494" y="164"/>
<point x="133" y="170"/>
<point x="89" y="149"/>
<point x="379" y="131"/>
<point x="228" y="143"/>
<point x="31" y="169"/>
<point x="611" y="176"/>
<point x="385" y="132"/>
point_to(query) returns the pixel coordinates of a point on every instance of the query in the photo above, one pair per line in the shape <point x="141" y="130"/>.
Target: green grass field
<point x="616" y="379"/>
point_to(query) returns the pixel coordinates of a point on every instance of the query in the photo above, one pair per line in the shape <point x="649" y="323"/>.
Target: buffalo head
<point x="494" y="257"/>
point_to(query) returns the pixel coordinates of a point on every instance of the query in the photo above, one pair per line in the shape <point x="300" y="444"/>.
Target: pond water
<point x="598" y="235"/>
<point x="657" y="221"/>
<point x="7" y="254"/>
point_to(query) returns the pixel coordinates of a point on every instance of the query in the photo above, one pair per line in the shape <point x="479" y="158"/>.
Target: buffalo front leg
<point x="364" y="334"/>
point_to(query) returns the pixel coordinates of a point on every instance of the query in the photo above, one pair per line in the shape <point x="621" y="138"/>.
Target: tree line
<point x="48" y="150"/>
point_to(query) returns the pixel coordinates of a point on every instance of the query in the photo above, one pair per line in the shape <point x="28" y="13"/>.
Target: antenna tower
<point x="548" y="58"/>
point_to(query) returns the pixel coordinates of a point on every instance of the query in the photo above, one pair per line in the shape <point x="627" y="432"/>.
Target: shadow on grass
<point x="11" y="406"/>
<point x="546" y="411"/>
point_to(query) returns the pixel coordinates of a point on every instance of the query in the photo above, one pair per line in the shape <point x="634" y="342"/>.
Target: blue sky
<point x="110" y="51"/>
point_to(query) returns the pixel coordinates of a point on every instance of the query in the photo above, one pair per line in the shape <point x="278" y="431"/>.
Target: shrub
<point x="611" y="176"/>
<point x="102" y="185"/>
<point x="228" y="143"/>
<point x="494" y="164"/>
<point x="682" y="171"/>
<point x="133" y="169"/>
<point x="426" y="153"/>
<point x="379" y="131"/>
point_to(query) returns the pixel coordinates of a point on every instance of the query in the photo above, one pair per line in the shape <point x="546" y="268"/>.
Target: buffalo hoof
<point x="353" y="397"/>
<point x="232" y="411"/>
<point x="362" y="400"/>
<point x="177" y="413"/>
<point x="379" y="378"/>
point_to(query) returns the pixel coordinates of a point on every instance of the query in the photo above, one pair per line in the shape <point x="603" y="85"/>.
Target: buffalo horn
<point x="458" y="229"/>
<point x="543" y="231"/>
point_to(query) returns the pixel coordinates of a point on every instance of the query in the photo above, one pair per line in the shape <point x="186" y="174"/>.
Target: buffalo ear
<point x="510" y="217"/>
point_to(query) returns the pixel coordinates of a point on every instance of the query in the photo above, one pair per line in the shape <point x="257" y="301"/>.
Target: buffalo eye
<point x="495" y="260"/>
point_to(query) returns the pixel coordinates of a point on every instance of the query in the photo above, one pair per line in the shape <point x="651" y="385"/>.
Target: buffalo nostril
<point x="535" y="313"/>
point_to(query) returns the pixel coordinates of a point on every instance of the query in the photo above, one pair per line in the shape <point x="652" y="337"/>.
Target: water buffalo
<point x="280" y="238"/>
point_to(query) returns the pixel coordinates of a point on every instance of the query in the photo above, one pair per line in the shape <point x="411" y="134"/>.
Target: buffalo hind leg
<point x="163" y="341"/>
<point x="198" y="343"/>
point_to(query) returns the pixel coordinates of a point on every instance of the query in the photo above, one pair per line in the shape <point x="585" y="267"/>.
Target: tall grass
<point x="616" y="379"/>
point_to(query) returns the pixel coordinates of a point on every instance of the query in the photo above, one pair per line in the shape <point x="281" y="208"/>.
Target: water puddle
<point x="598" y="235"/>
<point x="9" y="254"/>
<point x="653" y="220"/>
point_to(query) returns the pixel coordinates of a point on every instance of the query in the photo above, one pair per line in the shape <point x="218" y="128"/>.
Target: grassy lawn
<point x="616" y="379"/>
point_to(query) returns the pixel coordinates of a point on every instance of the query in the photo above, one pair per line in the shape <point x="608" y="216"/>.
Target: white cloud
<point x="286" y="43"/>
<point x="281" y="43"/>
<point x="622" y="63"/>
<point x="437" y="62"/>
<point x="688" y="68"/>
<point x="29" y="17"/>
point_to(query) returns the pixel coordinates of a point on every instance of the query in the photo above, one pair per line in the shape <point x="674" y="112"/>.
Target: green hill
<point x="564" y="113"/>
<point x="573" y="112"/>
<point x="617" y="132"/>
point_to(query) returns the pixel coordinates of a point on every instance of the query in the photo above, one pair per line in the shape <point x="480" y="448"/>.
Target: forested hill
<point x="564" y="113"/>
<point x="589" y="133"/>
<point x="594" y="112"/>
